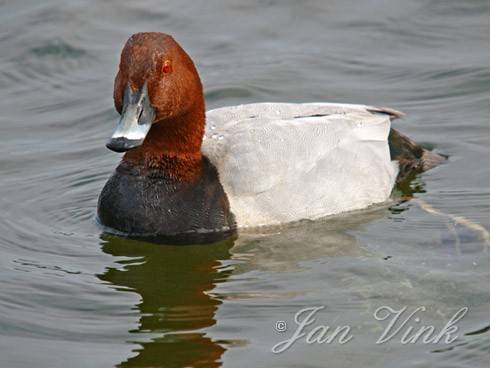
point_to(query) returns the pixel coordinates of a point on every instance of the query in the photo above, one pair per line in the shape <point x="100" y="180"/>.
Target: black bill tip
<point x="122" y="144"/>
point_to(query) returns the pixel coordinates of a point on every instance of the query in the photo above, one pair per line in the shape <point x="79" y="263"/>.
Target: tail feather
<point x="412" y="157"/>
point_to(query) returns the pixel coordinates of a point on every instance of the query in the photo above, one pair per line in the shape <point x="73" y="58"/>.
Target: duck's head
<point x="157" y="83"/>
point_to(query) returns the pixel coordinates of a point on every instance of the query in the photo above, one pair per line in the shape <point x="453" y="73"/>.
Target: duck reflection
<point x="174" y="283"/>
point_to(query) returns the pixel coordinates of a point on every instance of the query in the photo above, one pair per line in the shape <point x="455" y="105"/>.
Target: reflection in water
<point x="174" y="284"/>
<point x="283" y="248"/>
<point x="177" y="283"/>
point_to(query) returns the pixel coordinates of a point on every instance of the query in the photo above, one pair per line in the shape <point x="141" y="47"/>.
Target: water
<point x="73" y="297"/>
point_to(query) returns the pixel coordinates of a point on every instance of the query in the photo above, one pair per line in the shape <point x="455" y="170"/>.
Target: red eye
<point x="166" y="67"/>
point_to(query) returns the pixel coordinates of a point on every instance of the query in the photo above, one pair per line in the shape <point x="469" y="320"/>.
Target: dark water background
<point x="70" y="297"/>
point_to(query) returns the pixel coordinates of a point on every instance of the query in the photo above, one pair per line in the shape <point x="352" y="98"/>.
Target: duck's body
<point x="251" y="165"/>
<point x="282" y="162"/>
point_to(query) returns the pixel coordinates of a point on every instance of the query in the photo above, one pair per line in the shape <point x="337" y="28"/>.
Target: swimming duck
<point x="186" y="171"/>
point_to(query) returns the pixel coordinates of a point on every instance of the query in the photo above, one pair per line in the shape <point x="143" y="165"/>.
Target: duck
<point x="199" y="176"/>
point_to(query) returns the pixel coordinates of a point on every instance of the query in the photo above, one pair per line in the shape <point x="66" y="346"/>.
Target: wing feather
<point x="285" y="162"/>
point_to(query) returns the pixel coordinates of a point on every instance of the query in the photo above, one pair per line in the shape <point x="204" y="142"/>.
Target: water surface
<point x="70" y="296"/>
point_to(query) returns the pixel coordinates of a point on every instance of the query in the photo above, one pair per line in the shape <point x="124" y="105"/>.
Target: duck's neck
<point x="173" y="145"/>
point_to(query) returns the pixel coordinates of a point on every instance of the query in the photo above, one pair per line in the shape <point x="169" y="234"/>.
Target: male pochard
<point x="197" y="176"/>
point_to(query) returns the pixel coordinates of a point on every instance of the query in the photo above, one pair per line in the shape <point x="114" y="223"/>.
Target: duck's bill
<point x="135" y="122"/>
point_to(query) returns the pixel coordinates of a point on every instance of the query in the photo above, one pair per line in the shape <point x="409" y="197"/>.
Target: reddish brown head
<point x="159" y="95"/>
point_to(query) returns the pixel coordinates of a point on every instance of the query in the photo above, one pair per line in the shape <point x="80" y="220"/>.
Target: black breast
<point x="149" y="204"/>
